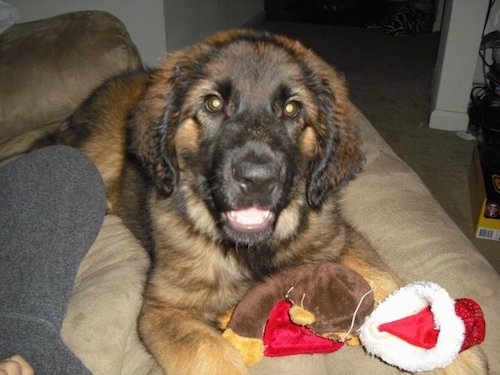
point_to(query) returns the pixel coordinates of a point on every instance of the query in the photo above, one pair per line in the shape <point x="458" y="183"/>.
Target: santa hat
<point x="420" y="327"/>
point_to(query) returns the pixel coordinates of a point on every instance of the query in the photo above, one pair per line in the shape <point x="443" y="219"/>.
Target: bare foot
<point x="15" y="365"/>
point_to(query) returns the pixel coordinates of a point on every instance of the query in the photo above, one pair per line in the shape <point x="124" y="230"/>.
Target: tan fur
<point x="186" y="137"/>
<point x="309" y="142"/>
<point x="196" y="276"/>
<point x="106" y="147"/>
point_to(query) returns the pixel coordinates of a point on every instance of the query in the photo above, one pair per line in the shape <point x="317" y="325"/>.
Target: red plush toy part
<point x="284" y="337"/>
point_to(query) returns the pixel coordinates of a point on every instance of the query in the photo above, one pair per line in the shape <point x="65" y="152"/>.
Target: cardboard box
<point x="484" y="183"/>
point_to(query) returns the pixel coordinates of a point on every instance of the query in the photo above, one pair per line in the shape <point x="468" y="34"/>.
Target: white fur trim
<point x="405" y="302"/>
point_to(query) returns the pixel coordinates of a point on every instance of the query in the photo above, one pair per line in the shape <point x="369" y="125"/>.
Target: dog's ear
<point x="339" y="155"/>
<point x="154" y="120"/>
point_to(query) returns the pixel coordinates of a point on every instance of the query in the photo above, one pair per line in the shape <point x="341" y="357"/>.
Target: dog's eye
<point x="214" y="103"/>
<point x="291" y="109"/>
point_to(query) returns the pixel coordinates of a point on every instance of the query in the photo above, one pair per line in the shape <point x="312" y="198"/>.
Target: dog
<point x="226" y="161"/>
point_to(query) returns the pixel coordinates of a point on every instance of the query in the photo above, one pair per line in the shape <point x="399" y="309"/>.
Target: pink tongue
<point x="250" y="220"/>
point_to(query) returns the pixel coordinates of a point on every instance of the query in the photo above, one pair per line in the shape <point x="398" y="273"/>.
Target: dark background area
<point x="347" y="12"/>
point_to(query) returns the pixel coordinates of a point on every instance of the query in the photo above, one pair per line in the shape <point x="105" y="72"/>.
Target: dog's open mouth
<point x="249" y="220"/>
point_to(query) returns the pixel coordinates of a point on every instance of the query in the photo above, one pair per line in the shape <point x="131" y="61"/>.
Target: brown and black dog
<point x="225" y="161"/>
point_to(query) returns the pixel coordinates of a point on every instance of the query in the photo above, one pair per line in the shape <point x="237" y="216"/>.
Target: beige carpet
<point x="389" y="79"/>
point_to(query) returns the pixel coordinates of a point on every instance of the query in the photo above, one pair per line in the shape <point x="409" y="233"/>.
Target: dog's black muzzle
<point x="253" y="180"/>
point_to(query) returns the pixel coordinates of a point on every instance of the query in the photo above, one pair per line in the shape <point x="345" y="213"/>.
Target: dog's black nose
<point x="257" y="177"/>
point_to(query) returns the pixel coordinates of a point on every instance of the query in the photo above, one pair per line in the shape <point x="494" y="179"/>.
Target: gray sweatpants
<point x="52" y="203"/>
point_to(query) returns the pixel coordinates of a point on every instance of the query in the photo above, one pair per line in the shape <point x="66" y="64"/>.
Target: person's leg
<point x="52" y="203"/>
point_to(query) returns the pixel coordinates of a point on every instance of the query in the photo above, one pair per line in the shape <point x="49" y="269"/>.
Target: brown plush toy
<point x="313" y="308"/>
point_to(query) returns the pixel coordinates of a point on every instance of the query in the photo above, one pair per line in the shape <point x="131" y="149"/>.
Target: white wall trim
<point x="447" y="120"/>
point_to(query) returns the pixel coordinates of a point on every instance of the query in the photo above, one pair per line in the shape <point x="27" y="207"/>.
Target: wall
<point x="190" y="21"/>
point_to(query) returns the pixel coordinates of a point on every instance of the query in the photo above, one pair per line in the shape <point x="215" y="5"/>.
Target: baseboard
<point x="446" y="120"/>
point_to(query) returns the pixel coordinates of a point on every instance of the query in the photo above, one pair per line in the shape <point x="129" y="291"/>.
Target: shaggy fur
<point x="226" y="162"/>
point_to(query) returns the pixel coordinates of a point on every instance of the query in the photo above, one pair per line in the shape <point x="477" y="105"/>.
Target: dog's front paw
<point x="184" y="346"/>
<point x="209" y="356"/>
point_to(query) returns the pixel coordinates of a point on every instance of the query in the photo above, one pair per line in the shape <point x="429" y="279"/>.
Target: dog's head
<point x="247" y="132"/>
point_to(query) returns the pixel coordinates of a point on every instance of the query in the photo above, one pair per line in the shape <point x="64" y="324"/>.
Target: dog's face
<point x="246" y="132"/>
